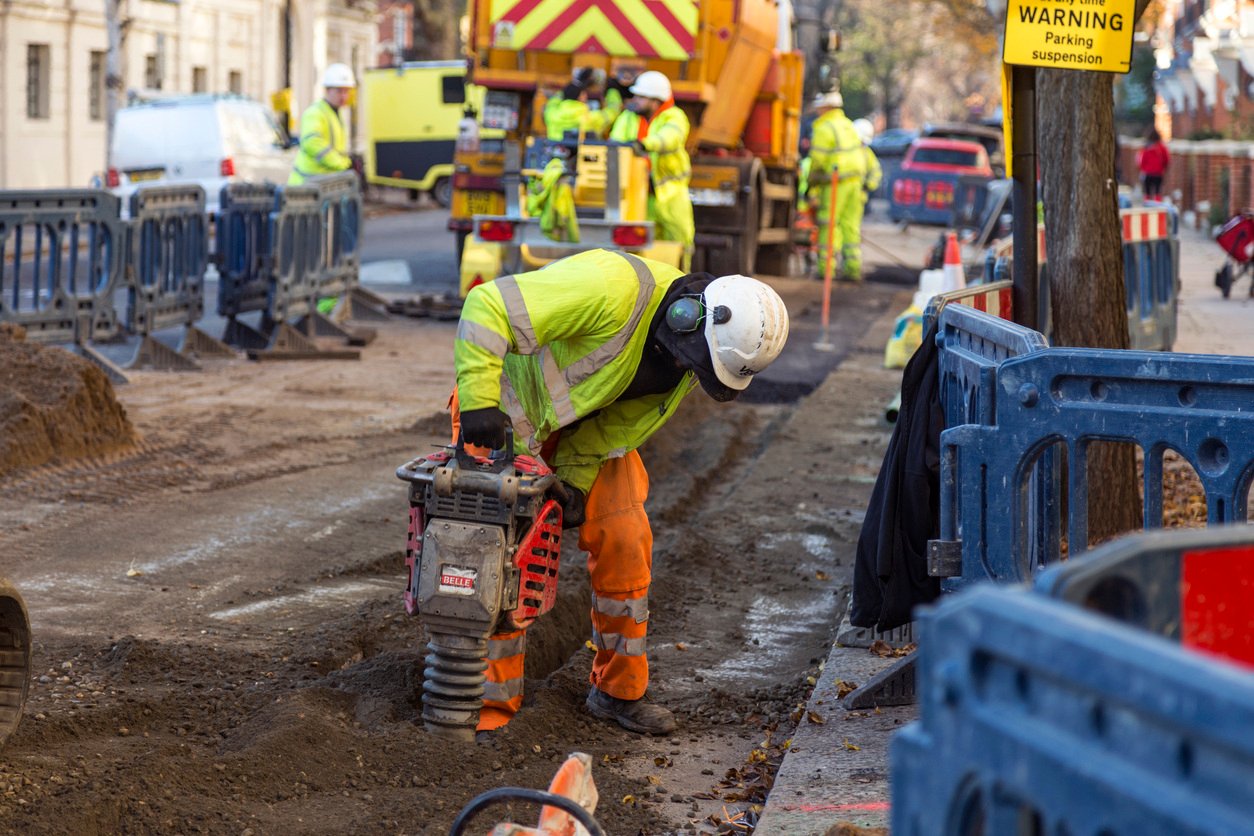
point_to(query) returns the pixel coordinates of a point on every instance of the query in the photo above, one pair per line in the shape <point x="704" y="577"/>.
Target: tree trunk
<point x="1083" y="246"/>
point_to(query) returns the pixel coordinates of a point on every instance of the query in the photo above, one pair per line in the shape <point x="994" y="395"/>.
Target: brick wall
<point x="1197" y="171"/>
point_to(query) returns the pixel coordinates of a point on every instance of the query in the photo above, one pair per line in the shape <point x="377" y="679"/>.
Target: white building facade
<point x="53" y="56"/>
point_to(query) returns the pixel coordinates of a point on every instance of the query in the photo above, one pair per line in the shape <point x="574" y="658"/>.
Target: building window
<point x="200" y="80"/>
<point x="235" y="81"/>
<point x="38" y="76"/>
<point x="152" y="72"/>
<point x="96" y="95"/>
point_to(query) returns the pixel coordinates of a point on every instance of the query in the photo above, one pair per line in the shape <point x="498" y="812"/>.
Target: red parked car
<point x="923" y="190"/>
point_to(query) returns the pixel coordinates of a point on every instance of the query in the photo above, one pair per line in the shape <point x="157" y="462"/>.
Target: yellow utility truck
<point x="740" y="90"/>
<point x="412" y="117"/>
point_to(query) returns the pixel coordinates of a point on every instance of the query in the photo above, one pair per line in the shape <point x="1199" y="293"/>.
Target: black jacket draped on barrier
<point x="890" y="575"/>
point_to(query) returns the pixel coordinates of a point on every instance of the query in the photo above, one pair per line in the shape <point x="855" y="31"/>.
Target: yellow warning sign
<point x="1070" y="34"/>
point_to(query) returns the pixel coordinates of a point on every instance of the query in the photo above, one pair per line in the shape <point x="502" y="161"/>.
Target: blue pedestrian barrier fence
<point x="167" y="255"/>
<point x="299" y="245"/>
<point x="1064" y="400"/>
<point x="62" y="254"/>
<point x="1042" y="714"/>
<point x="245" y="248"/>
<point x="340" y="206"/>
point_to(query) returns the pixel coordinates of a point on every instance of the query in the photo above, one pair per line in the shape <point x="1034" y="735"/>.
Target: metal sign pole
<point x="1023" y="173"/>
<point x="829" y="268"/>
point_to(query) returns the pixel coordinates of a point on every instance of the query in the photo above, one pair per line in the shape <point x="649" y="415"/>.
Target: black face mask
<point x="690" y="349"/>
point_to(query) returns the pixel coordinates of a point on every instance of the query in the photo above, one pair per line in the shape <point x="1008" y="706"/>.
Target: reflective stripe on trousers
<point x="503" y="690"/>
<point x="619" y="543"/>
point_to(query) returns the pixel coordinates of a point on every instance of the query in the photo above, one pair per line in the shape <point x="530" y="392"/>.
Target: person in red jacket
<point x="1153" y="160"/>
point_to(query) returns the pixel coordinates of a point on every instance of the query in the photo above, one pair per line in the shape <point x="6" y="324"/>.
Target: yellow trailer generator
<point x="732" y="71"/>
<point x="412" y="115"/>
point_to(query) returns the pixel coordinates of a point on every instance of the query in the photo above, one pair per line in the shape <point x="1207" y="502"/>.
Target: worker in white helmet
<point x="662" y="133"/>
<point x="323" y="145"/>
<point x="874" y="172"/>
<point x="588" y="358"/>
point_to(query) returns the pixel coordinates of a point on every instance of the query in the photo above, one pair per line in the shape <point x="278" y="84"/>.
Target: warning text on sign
<point x="1070" y="34"/>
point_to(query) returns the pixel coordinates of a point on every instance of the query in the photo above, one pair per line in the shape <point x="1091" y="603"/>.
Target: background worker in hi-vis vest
<point x="836" y="146"/>
<point x="323" y="146"/>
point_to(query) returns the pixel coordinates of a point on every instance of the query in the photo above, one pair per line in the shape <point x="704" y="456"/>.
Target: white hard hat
<point x="652" y="85"/>
<point x="749" y="340"/>
<point x="832" y="99"/>
<point x="338" y="75"/>
<point x="866" y="131"/>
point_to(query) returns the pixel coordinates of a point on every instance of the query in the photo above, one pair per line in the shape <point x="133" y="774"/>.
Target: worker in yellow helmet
<point x="664" y="140"/>
<point x="323" y="145"/>
<point x="586" y="359"/>
<point x="836" y="147"/>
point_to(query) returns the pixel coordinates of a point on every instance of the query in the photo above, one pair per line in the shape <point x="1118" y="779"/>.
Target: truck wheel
<point x="14" y="658"/>
<point x="442" y="192"/>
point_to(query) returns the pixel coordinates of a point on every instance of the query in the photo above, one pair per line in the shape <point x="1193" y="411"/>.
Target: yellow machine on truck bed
<point x="742" y="96"/>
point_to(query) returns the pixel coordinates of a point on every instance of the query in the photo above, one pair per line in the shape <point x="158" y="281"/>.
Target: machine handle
<point x="501" y="794"/>
<point x="465" y="460"/>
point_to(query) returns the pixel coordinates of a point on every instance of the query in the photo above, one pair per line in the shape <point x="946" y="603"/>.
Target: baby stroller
<point x="1237" y="239"/>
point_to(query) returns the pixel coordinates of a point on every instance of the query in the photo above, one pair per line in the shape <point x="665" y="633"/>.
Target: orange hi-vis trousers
<point x="619" y="542"/>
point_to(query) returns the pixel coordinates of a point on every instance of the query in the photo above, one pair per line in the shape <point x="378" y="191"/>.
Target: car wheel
<point x="442" y="192"/>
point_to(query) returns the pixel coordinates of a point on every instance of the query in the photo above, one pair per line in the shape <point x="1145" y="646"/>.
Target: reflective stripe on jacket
<point x="834" y="143"/>
<point x="665" y="141"/>
<point x="323" y="148"/>
<point x="874" y="173"/>
<point x="554" y="348"/>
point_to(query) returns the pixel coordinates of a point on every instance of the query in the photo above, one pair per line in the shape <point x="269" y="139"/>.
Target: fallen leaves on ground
<point x="852" y="747"/>
<point x="815" y="717"/>
<point x="882" y="648"/>
<point x="844" y="689"/>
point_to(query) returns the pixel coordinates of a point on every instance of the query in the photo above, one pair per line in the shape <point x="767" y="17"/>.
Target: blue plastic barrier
<point x="298" y="252"/>
<point x="245" y="248"/>
<point x="1038" y="717"/>
<point x="62" y="254"/>
<point x="167" y="253"/>
<point x="340" y="203"/>
<point x="1067" y="399"/>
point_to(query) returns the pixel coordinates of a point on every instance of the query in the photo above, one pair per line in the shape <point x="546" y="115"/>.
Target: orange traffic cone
<point x="954" y="277"/>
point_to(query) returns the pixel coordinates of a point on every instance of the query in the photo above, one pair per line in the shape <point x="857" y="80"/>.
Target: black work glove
<point x="484" y="427"/>
<point x="639" y="148"/>
<point x="572" y="507"/>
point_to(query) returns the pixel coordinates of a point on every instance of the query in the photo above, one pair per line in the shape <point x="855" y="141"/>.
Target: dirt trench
<point x="221" y="645"/>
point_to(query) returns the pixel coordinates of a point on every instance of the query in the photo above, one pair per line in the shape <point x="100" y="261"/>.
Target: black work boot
<point x="642" y="715"/>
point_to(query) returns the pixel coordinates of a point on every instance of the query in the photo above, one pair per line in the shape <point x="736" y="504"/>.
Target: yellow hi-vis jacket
<point x="562" y="115"/>
<point x="874" y="172"/>
<point x="555" y="348"/>
<point x="665" y="141"/>
<point x="323" y="148"/>
<point x="834" y="143"/>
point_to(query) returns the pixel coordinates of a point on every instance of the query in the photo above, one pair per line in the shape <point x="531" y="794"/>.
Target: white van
<point x="205" y="139"/>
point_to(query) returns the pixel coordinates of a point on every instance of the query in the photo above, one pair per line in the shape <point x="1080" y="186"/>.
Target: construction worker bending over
<point x="835" y="146"/>
<point x="871" y="164"/>
<point x="666" y="134"/>
<point x="588" y="358"/>
<point x="323" y="147"/>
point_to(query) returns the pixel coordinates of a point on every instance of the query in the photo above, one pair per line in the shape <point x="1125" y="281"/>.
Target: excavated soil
<point x="54" y="406"/>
